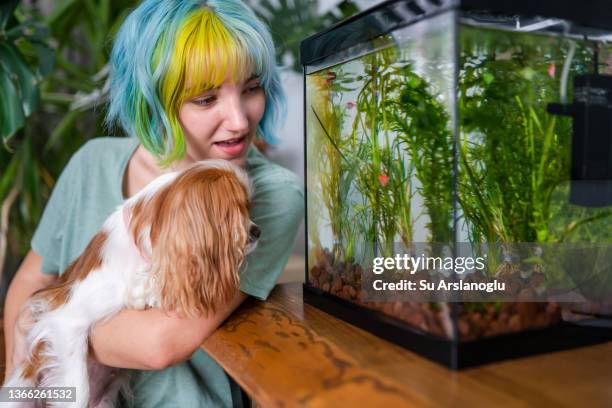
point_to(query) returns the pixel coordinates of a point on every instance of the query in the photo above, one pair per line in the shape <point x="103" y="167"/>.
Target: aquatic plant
<point x="365" y="178"/>
<point x="334" y="171"/>
<point x="514" y="157"/>
<point x="385" y="178"/>
<point x="422" y="122"/>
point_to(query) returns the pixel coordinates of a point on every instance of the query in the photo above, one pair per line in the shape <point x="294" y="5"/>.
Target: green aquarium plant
<point x="365" y="178"/>
<point x="422" y="125"/>
<point x="385" y="179"/>
<point x="514" y="157"/>
<point x="334" y="169"/>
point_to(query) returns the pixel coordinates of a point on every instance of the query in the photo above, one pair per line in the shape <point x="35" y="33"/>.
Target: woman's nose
<point x="236" y="118"/>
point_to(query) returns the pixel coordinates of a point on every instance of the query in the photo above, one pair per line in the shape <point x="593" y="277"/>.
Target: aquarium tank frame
<point x="588" y="18"/>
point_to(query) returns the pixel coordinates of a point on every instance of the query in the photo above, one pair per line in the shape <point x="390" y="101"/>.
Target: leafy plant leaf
<point x="46" y="58"/>
<point x="290" y="21"/>
<point x="11" y="110"/>
<point x="25" y="80"/>
<point x="8" y="176"/>
<point x="6" y="11"/>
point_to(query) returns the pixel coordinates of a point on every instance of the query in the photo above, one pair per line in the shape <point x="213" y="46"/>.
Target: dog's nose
<point x="255" y="232"/>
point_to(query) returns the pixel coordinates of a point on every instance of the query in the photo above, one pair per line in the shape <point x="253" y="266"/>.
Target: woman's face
<point x="221" y="123"/>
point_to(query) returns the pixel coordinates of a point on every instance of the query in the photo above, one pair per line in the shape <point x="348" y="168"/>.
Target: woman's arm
<point x="146" y="340"/>
<point x="27" y="280"/>
<point x="152" y="340"/>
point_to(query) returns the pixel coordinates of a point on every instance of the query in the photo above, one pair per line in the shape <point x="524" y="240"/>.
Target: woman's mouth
<point x="233" y="146"/>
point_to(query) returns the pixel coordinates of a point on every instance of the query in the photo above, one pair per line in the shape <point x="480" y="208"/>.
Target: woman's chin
<point x="238" y="159"/>
<point x="236" y="155"/>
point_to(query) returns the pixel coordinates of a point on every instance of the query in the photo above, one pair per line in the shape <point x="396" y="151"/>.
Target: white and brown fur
<point x="177" y="245"/>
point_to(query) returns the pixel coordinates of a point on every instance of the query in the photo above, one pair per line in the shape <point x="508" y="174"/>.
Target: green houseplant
<point x="25" y="58"/>
<point x="53" y="73"/>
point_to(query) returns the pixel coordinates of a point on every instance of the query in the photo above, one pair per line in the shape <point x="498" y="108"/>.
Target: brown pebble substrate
<point x="475" y="320"/>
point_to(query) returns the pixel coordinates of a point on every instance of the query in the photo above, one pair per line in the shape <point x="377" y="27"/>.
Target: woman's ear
<point x="195" y="233"/>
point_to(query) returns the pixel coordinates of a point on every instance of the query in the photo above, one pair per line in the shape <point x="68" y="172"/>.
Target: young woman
<point x="190" y="80"/>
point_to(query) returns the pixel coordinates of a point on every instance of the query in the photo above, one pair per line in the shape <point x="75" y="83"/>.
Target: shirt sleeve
<point x="47" y="239"/>
<point x="278" y="211"/>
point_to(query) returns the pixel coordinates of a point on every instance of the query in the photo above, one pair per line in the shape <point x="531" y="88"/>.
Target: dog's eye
<point x="255" y="232"/>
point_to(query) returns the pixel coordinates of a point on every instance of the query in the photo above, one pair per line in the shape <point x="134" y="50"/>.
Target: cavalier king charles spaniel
<point x="177" y="245"/>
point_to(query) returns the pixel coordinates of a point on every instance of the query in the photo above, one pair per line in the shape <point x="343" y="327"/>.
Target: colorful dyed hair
<point x="168" y="51"/>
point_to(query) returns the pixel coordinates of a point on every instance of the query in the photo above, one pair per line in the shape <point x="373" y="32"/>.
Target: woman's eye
<point x="253" y="88"/>
<point x="206" y="101"/>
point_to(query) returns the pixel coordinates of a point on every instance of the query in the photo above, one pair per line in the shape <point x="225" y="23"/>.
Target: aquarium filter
<point x="591" y="110"/>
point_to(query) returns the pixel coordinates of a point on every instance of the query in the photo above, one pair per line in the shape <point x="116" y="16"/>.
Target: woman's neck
<point x="142" y="168"/>
<point x="153" y="170"/>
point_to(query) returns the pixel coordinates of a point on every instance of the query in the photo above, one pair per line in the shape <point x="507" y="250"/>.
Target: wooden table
<point x="284" y="353"/>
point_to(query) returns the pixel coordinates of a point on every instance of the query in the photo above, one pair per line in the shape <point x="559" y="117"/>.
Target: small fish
<point x="383" y="179"/>
<point x="350" y="105"/>
<point x="551" y="70"/>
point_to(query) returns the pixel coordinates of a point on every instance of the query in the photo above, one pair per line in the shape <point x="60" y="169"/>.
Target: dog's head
<point x="200" y="232"/>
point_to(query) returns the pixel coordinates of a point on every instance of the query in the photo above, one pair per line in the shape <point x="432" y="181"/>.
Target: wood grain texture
<point x="282" y="362"/>
<point x="284" y="353"/>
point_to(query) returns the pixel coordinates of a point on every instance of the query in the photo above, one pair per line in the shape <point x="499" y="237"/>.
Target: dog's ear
<point x="198" y="236"/>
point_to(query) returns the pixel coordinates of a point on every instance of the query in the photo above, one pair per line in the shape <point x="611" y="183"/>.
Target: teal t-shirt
<point x="88" y="191"/>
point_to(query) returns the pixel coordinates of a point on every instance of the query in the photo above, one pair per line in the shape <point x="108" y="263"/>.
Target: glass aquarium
<point x="459" y="175"/>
